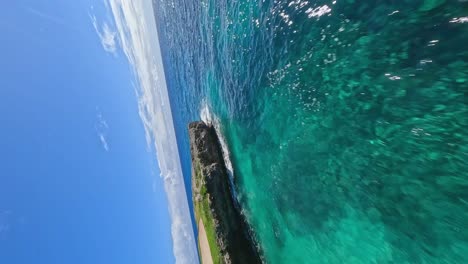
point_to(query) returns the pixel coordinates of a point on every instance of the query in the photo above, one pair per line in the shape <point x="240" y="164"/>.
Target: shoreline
<point x="227" y="232"/>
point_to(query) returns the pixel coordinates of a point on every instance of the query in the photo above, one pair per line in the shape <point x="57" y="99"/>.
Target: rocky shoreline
<point x="224" y="226"/>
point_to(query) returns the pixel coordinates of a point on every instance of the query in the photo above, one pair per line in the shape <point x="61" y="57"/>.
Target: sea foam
<point x="207" y="116"/>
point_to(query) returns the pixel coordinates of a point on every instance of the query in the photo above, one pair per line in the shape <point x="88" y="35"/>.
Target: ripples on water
<point x="346" y="120"/>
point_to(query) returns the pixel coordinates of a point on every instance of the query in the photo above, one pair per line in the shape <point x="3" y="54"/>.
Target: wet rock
<point x="212" y="189"/>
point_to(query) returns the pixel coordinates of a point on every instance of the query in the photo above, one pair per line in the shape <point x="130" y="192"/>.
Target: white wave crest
<point x="209" y="117"/>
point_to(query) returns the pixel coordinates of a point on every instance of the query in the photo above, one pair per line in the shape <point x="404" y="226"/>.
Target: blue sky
<point x="83" y="113"/>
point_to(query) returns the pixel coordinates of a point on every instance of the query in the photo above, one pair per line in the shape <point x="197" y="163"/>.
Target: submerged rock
<point x="428" y="5"/>
<point x="224" y="226"/>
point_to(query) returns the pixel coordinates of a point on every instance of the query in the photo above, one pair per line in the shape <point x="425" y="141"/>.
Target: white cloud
<point x="106" y="35"/>
<point x="5" y="221"/>
<point x="50" y="17"/>
<point x="104" y="142"/>
<point x="138" y="38"/>
<point x="101" y="130"/>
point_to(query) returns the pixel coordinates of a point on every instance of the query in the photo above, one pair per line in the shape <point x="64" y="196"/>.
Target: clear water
<point x="346" y="121"/>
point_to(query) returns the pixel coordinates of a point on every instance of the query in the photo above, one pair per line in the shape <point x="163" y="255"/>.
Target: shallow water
<point x="346" y="121"/>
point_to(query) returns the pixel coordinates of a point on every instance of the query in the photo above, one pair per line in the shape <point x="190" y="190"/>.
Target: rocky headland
<point x="221" y="226"/>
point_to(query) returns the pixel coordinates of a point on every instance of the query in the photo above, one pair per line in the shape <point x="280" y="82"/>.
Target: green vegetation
<point x="203" y="211"/>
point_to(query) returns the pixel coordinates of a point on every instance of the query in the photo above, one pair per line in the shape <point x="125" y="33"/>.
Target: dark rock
<point x="210" y="179"/>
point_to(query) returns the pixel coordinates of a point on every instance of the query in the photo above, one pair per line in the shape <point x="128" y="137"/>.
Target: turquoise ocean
<point x="345" y="122"/>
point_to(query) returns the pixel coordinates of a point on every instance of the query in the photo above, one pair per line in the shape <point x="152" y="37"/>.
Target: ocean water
<point x="346" y="121"/>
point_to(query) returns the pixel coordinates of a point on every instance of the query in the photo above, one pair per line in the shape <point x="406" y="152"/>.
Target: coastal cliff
<point x="222" y="230"/>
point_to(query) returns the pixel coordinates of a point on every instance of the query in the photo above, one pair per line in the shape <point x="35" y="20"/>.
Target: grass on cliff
<point x="202" y="209"/>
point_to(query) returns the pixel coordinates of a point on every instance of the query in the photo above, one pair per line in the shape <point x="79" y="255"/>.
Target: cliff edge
<point x="218" y="220"/>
